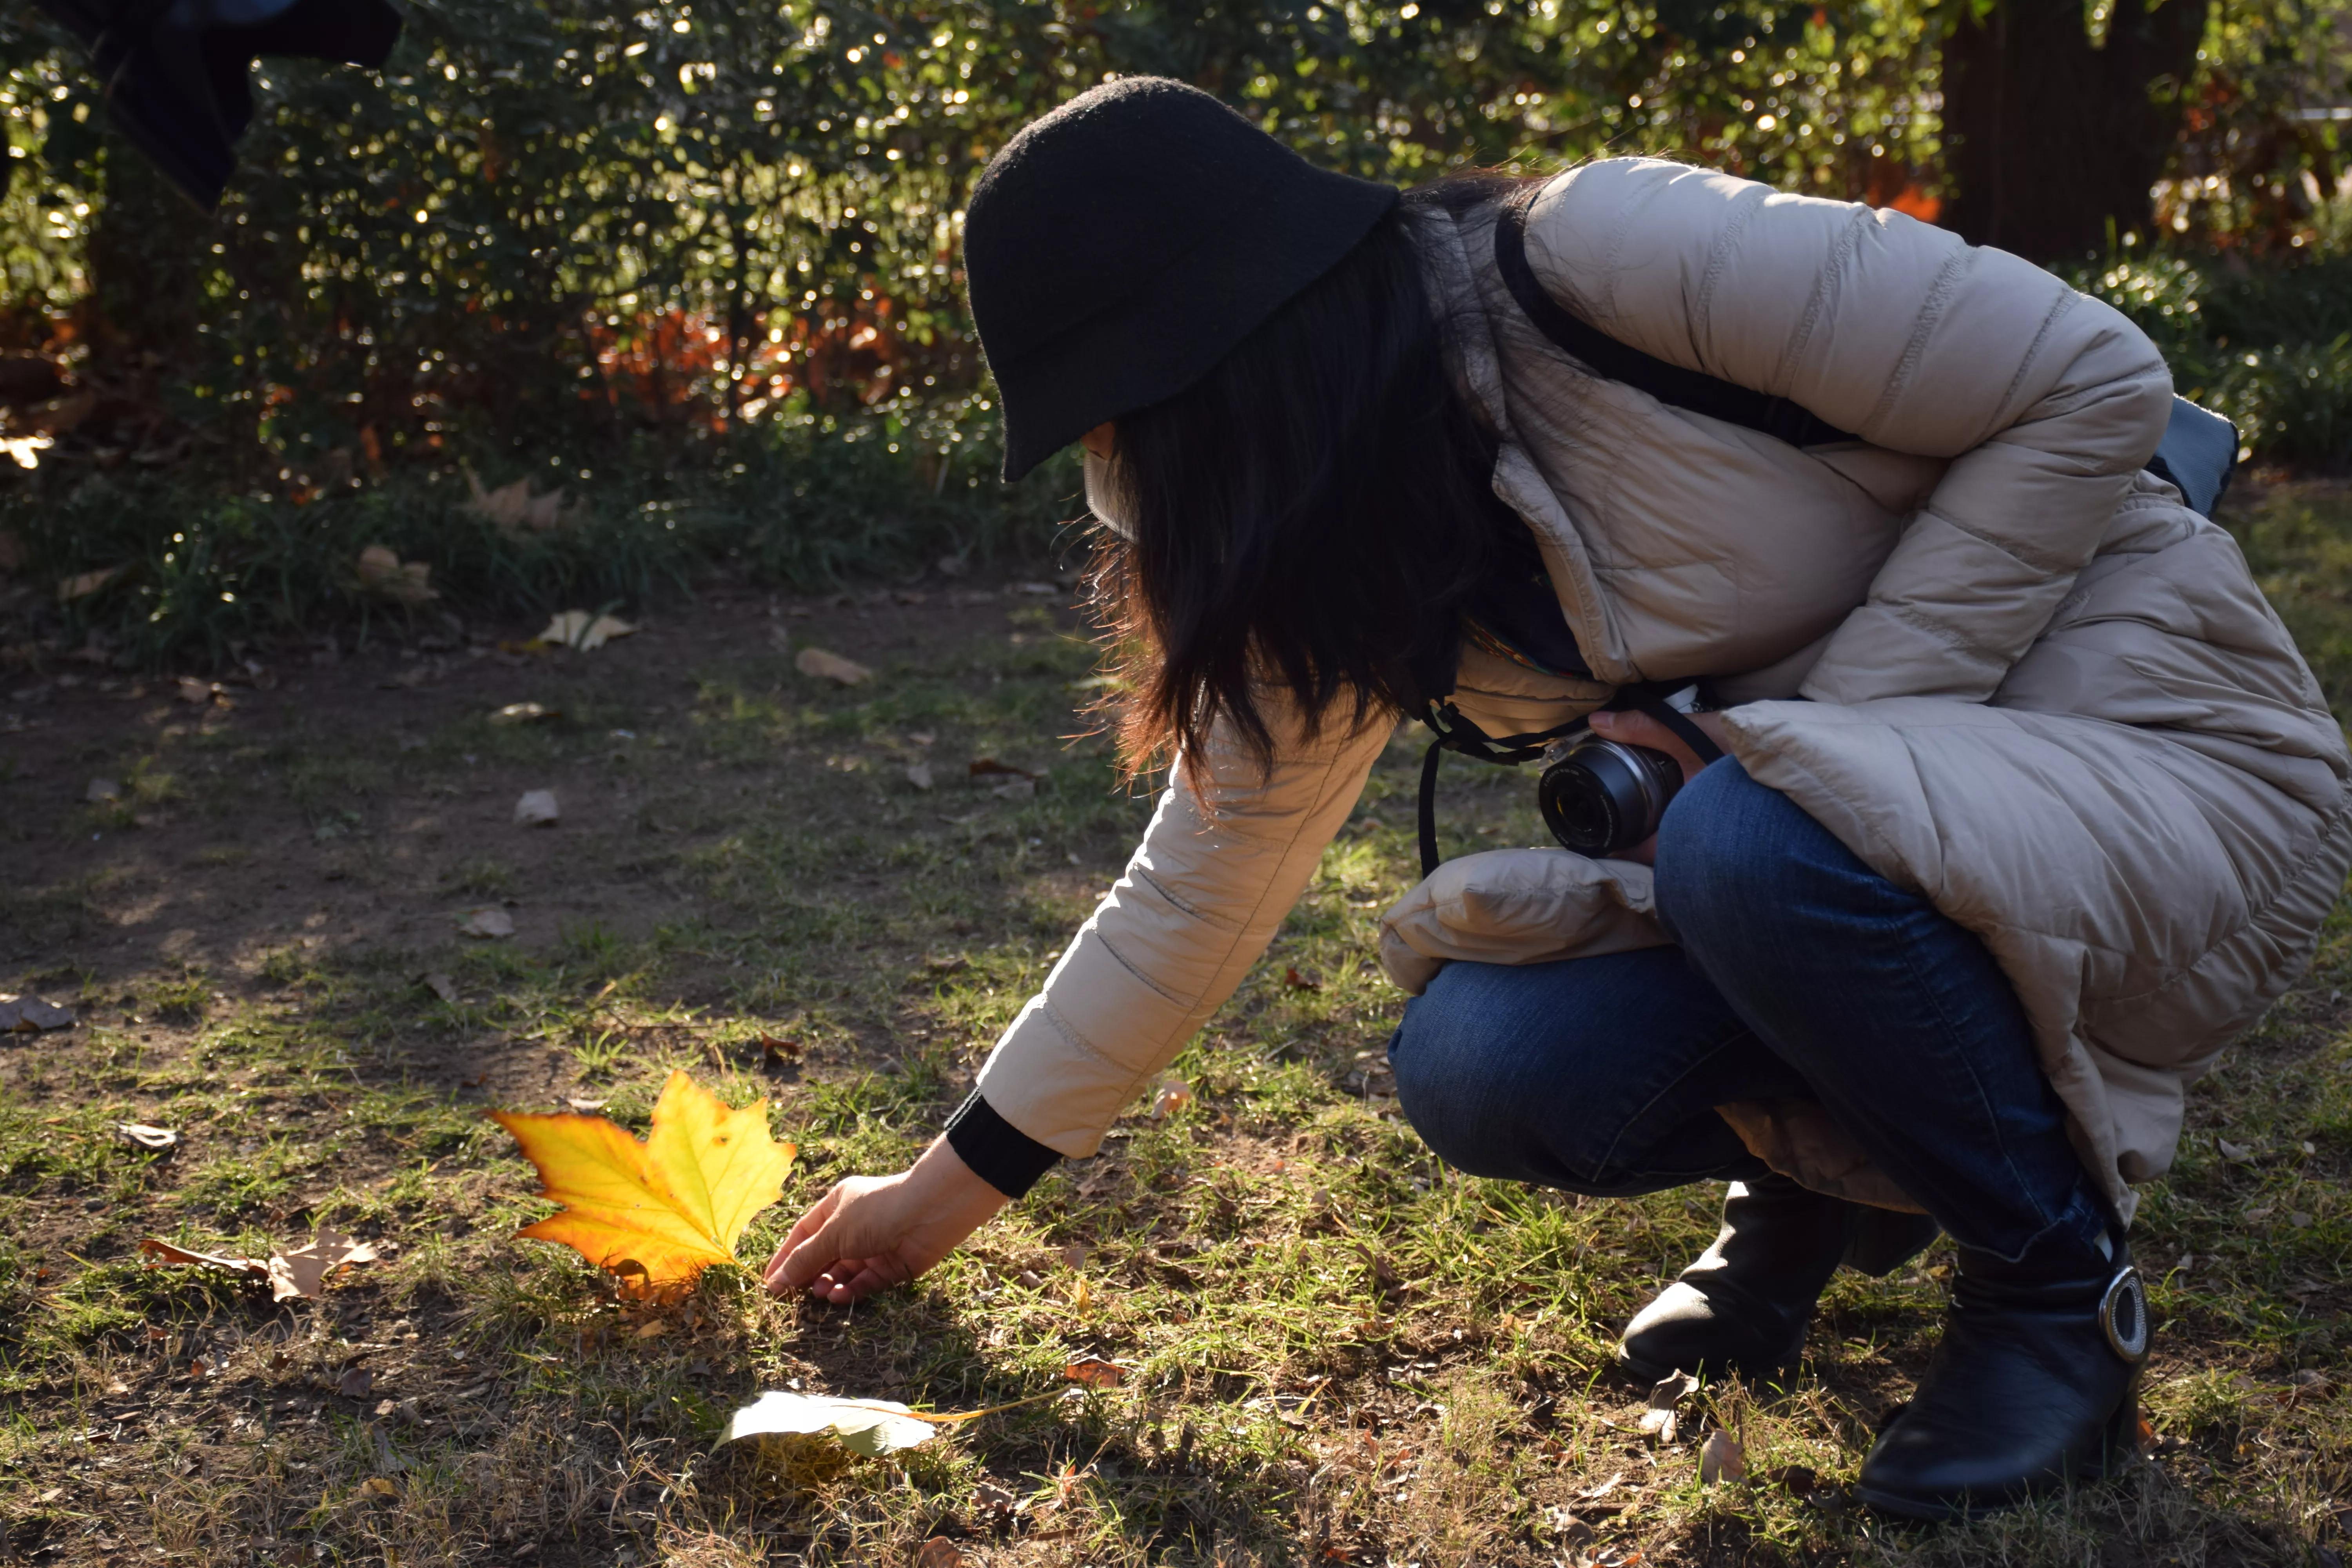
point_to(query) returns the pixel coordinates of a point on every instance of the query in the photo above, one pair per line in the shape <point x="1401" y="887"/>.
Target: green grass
<point x="1335" y="1349"/>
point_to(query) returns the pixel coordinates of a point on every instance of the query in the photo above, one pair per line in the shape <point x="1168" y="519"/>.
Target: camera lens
<point x="1602" y="796"/>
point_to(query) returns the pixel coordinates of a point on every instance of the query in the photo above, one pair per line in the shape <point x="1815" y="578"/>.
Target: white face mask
<point x="1108" y="497"/>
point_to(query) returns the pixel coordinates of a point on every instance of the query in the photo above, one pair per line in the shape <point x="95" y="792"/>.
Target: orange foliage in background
<point x="667" y="364"/>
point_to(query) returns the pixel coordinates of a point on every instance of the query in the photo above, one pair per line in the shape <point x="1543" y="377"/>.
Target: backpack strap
<point x="1669" y="384"/>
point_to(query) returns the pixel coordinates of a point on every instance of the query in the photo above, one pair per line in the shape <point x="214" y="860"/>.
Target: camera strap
<point x="1453" y="731"/>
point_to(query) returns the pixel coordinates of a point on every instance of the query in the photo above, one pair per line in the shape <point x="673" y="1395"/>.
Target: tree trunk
<point x="2049" y="138"/>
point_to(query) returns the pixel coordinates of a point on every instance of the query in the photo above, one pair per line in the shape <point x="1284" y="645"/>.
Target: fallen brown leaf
<point x="1722" y="1457"/>
<point x="441" y="985"/>
<point x="384" y="573"/>
<point x="1174" y="1095"/>
<point x="826" y="666"/>
<point x="1095" y="1372"/>
<point x="166" y="1252"/>
<point x="938" y="1552"/>
<point x="488" y="922"/>
<point x="299" y="1272"/>
<point x="513" y="510"/>
<point x="356" y="1383"/>
<point x="304" y="1270"/>
<point x="82" y="585"/>
<point x="30" y="1014"/>
<point x="983" y="767"/>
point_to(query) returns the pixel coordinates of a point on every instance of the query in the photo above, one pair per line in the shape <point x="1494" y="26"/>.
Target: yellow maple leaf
<point x="659" y="1211"/>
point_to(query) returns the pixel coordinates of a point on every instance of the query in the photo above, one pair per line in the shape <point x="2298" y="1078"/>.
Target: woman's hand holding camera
<point x="869" y="1232"/>
<point x="1641" y="729"/>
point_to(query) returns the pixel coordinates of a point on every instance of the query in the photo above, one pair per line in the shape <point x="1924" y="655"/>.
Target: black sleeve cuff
<point x="998" y="1153"/>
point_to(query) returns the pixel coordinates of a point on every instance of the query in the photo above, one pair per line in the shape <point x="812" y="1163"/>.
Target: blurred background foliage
<point x="695" y="265"/>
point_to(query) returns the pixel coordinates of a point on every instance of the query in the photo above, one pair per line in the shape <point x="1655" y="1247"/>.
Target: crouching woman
<point x="2027" y="803"/>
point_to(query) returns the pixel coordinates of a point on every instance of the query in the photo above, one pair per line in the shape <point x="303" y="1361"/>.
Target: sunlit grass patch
<point x="1332" y="1348"/>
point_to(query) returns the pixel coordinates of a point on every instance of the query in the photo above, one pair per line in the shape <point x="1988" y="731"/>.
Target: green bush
<point x="200" y="576"/>
<point x="2269" y="343"/>
<point x="699" y="265"/>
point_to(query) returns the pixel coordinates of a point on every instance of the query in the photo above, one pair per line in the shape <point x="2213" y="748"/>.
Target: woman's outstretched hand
<point x="1641" y="729"/>
<point x="870" y="1231"/>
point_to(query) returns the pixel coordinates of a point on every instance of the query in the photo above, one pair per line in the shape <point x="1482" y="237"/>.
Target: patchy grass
<point x="1335" y="1349"/>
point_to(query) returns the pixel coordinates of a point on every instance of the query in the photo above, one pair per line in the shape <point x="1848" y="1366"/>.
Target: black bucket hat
<point x="1119" y="248"/>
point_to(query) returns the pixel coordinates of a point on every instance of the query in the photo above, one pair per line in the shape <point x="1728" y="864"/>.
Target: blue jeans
<point x="1800" y="974"/>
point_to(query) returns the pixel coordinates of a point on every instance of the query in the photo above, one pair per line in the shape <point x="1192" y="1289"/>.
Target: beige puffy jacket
<point x="2038" y="688"/>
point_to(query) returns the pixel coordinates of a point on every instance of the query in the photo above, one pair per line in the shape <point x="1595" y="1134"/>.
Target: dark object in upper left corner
<point x="174" y="71"/>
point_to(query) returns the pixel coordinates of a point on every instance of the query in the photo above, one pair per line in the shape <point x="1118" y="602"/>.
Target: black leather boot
<point x="2036" y="1383"/>
<point x="1741" y="1309"/>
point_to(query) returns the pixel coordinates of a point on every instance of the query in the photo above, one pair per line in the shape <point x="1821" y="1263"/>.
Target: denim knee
<point x="1436" y="1056"/>
<point x="1723" y="852"/>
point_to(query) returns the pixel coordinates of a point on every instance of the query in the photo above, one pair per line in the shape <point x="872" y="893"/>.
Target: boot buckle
<point x="2123" y="1315"/>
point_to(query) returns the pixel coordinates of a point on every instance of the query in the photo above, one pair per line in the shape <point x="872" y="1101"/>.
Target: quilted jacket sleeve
<point x="1202" y="895"/>
<point x="2047" y="401"/>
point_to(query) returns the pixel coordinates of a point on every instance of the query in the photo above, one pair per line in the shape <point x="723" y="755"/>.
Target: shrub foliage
<point x="697" y="263"/>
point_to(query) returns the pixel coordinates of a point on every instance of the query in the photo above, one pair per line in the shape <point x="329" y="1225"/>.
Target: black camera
<point x="1601" y="797"/>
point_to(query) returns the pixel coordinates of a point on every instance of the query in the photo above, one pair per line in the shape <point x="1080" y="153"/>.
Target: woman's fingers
<point x="805" y="1227"/>
<point x="1641" y="729"/>
<point x="872" y="1232"/>
<point x="855" y="1279"/>
<point x="810" y="1223"/>
<point x="865" y="1220"/>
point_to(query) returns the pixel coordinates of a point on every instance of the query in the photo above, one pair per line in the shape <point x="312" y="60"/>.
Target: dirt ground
<point x="252" y="895"/>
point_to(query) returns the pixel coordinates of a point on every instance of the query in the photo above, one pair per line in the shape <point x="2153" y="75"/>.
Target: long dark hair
<point x="1309" y="517"/>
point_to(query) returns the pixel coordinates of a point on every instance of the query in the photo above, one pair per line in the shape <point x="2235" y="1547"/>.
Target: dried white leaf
<point x="489" y="921"/>
<point x="537" y="808"/>
<point x="869" y="1427"/>
<point x="524" y="713"/>
<point x="920" y="775"/>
